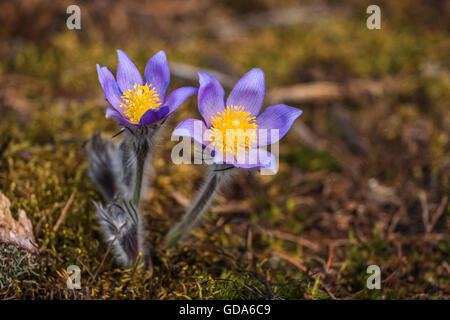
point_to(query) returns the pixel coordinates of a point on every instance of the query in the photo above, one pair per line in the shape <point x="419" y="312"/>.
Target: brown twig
<point x="306" y="92"/>
<point x="300" y="266"/>
<point x="330" y="258"/>
<point x="438" y="213"/>
<point x="248" y="243"/>
<point x="106" y="254"/>
<point x="64" y="211"/>
<point x="425" y="212"/>
<point x="282" y="235"/>
<point x="84" y="266"/>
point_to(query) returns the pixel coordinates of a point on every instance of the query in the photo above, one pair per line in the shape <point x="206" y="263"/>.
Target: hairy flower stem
<point x="214" y="180"/>
<point x="143" y="140"/>
<point x="138" y="182"/>
<point x="121" y="170"/>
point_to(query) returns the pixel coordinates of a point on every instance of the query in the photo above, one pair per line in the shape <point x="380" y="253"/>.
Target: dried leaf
<point x="17" y="232"/>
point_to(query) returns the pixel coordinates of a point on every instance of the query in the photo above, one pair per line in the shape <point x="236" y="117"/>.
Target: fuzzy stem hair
<point x="216" y="177"/>
<point x="120" y="171"/>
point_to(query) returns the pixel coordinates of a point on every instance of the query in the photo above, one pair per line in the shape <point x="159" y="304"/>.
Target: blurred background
<point x="364" y="172"/>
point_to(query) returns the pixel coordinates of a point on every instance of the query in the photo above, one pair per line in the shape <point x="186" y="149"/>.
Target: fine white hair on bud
<point x="123" y="231"/>
<point x="120" y="171"/>
<point x="105" y="167"/>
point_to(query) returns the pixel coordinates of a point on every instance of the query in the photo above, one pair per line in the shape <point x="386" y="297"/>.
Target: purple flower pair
<point x="229" y="129"/>
<point x="233" y="132"/>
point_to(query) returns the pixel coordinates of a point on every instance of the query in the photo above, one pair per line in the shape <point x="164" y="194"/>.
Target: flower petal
<point x="110" y="113"/>
<point x="279" y="117"/>
<point x="127" y="72"/>
<point x="192" y="128"/>
<point x="249" y="92"/>
<point x="110" y="87"/>
<point x="178" y="96"/>
<point x="255" y="158"/>
<point x="157" y="73"/>
<point x="120" y="119"/>
<point x="263" y="159"/>
<point x="154" y="115"/>
<point x="211" y="97"/>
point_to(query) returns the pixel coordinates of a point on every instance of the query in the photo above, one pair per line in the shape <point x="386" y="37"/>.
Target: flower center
<point x="138" y="100"/>
<point x="233" y="130"/>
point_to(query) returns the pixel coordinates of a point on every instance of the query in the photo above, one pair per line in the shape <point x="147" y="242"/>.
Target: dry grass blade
<point x="300" y="266"/>
<point x="64" y="211"/>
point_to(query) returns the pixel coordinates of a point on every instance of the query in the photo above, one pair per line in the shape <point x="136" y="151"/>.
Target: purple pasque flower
<point x="135" y="102"/>
<point x="237" y="128"/>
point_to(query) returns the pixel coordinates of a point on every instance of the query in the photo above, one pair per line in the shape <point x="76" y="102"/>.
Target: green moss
<point x="16" y="264"/>
<point x="311" y="160"/>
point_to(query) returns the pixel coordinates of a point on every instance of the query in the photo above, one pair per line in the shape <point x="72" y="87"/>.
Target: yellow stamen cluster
<point x="233" y="130"/>
<point x="138" y="100"/>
